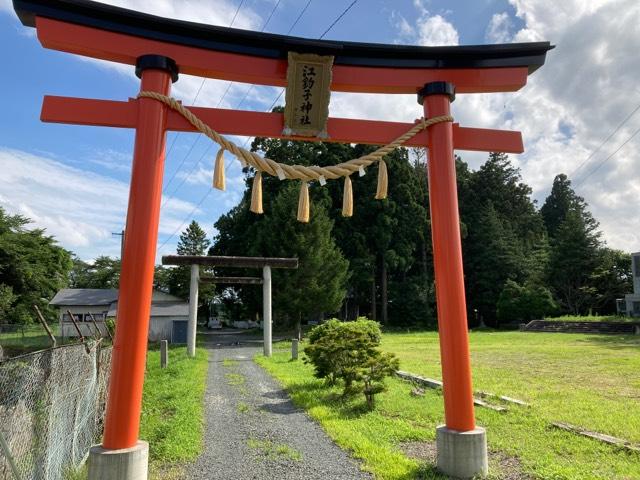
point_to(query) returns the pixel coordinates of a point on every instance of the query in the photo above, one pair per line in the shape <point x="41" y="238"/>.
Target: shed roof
<point x="85" y="296"/>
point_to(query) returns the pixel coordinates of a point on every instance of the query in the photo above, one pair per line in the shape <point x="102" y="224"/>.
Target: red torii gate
<point x="160" y="48"/>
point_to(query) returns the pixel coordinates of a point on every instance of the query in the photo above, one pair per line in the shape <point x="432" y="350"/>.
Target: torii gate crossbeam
<point x="160" y="48"/>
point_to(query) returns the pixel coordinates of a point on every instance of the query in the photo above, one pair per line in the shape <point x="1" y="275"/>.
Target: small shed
<point x="168" y="319"/>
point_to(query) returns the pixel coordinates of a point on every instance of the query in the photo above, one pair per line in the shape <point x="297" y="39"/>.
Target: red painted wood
<point x="136" y="280"/>
<point x="449" y="275"/>
<point x="118" y="47"/>
<point x="109" y="113"/>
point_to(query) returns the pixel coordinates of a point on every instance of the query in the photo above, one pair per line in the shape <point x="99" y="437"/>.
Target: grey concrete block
<point x="125" y="464"/>
<point x="462" y="454"/>
<point x="164" y="353"/>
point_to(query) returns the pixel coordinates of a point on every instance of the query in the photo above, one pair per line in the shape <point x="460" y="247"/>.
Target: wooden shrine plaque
<point x="308" y="94"/>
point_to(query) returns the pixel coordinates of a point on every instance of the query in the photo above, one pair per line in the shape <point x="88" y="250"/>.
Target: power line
<point x="187" y="217"/>
<point x="338" y="19"/>
<point x="273" y="10"/>
<point x="193" y="102"/>
<point x="605" y="141"/>
<point x="344" y="12"/>
<point x="607" y="158"/>
<point x="251" y="87"/>
<point x="206" y="195"/>
<point x="293" y="25"/>
<point x="173" y="142"/>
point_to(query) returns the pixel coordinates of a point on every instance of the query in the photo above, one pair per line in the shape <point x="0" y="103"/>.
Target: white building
<point x="168" y="319"/>
<point x="630" y="304"/>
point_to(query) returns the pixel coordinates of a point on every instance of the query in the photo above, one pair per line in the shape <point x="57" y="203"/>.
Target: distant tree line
<point x="521" y="262"/>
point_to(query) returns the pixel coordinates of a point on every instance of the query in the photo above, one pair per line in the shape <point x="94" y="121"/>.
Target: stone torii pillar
<point x="265" y="263"/>
<point x="266" y="310"/>
<point x="193" y="310"/>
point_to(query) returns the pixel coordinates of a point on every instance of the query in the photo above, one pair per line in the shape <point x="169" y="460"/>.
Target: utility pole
<point x="121" y="234"/>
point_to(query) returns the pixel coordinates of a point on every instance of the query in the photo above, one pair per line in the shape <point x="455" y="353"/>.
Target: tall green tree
<point x="33" y="267"/>
<point x="575" y="244"/>
<point x="573" y="262"/>
<point x="317" y="286"/>
<point x="502" y="234"/>
<point x="386" y="242"/>
<point x="492" y="257"/>
<point x="103" y="272"/>
<point x="563" y="201"/>
<point x="193" y="241"/>
<point x="612" y="279"/>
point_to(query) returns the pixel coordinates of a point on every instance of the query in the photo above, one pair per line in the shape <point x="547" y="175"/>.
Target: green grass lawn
<point x="592" y="381"/>
<point x="28" y="339"/>
<point x="172" y="410"/>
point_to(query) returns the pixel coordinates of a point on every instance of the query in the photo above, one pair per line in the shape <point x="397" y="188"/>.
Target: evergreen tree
<point x="492" y="257"/>
<point x="573" y="261"/>
<point x="386" y="242"/>
<point x="318" y="285"/>
<point x="560" y="203"/>
<point x="612" y="279"/>
<point x="503" y="235"/>
<point x="575" y="243"/>
<point x="193" y="241"/>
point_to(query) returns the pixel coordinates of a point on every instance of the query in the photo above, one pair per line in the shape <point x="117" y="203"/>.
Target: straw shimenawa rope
<point x="297" y="172"/>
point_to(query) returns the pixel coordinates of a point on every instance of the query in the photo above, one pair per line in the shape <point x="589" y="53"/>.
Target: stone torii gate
<point x="265" y="263"/>
<point x="160" y="49"/>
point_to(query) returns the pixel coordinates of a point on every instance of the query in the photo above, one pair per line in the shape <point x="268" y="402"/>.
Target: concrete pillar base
<point x="462" y="454"/>
<point x="125" y="464"/>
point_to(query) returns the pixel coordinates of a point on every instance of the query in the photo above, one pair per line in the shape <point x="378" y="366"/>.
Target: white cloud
<point x="587" y="87"/>
<point x="435" y="30"/>
<point x="6" y="6"/>
<point x="499" y="29"/>
<point x="220" y="12"/>
<point x="78" y="207"/>
<point x="429" y="30"/>
<point x="110" y="159"/>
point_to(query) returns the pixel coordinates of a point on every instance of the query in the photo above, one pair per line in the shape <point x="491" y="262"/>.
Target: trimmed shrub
<point x="347" y="351"/>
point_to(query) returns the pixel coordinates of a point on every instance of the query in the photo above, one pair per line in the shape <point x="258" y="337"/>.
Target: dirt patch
<point x="501" y="466"/>
<point x="423" y="451"/>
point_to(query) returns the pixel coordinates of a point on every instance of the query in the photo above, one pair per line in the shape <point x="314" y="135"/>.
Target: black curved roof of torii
<point x="233" y="40"/>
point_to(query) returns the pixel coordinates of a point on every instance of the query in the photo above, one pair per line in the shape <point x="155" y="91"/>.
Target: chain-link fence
<point x="51" y="409"/>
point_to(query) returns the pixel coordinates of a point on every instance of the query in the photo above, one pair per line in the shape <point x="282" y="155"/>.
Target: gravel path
<point x="253" y="431"/>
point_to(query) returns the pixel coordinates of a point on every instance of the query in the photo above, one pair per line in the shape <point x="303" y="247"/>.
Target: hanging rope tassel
<point x="303" y="203"/>
<point x="383" y="181"/>
<point x="218" y="171"/>
<point x="256" y="194"/>
<point x="347" y="198"/>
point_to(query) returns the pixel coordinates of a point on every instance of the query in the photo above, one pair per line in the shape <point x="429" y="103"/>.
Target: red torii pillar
<point x="158" y="47"/>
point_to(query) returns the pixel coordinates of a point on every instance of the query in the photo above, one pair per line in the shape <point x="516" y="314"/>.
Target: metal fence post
<point x="5" y="450"/>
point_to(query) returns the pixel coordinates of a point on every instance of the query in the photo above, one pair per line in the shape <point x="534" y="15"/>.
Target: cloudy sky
<point x="579" y="114"/>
